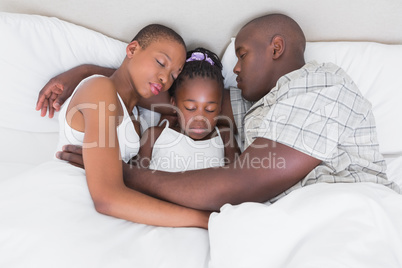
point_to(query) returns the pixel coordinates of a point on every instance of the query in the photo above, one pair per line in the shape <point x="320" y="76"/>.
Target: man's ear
<point x="132" y="48"/>
<point x="278" y="46"/>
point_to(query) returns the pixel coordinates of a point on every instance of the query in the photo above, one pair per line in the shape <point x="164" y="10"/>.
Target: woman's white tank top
<point x="129" y="141"/>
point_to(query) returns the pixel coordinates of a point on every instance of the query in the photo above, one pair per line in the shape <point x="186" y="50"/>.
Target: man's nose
<point x="236" y="68"/>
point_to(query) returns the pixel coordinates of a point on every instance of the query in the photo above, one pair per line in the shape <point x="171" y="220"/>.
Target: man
<point x="308" y="124"/>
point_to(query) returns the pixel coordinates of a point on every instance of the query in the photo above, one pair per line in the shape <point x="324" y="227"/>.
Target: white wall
<point x="211" y="23"/>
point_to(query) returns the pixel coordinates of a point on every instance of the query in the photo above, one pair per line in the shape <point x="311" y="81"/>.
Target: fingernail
<point x="58" y="155"/>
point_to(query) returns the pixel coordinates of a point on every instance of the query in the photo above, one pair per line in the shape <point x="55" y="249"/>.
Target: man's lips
<point x="156" y="88"/>
<point x="238" y="79"/>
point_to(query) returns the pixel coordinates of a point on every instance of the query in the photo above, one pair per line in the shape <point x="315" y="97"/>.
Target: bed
<point x="323" y="225"/>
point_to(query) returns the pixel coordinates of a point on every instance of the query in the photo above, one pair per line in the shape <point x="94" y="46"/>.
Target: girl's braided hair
<point x="200" y="67"/>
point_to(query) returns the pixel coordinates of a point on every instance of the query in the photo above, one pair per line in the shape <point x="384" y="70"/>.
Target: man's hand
<point x="72" y="154"/>
<point x="60" y="87"/>
<point x="55" y="93"/>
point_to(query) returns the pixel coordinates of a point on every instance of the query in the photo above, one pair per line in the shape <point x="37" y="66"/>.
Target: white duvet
<point x="323" y="225"/>
<point x="50" y="221"/>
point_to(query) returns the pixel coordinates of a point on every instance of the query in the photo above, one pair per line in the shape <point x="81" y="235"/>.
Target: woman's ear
<point x="132" y="48"/>
<point x="277" y="46"/>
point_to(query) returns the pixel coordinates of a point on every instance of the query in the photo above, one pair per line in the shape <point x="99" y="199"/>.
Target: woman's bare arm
<point x="104" y="169"/>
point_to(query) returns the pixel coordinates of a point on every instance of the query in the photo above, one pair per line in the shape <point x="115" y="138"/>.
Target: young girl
<point x="97" y="117"/>
<point x="195" y="142"/>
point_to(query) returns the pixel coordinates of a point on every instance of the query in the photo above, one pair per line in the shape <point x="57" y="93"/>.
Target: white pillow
<point x="33" y="50"/>
<point x="229" y="60"/>
<point x="374" y="68"/>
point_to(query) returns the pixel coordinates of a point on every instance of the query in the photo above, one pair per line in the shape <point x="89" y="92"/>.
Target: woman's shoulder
<point x="97" y="88"/>
<point x="95" y="94"/>
<point x="99" y="84"/>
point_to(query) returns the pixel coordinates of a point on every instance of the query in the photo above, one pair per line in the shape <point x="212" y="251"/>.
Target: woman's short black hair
<point x="156" y="32"/>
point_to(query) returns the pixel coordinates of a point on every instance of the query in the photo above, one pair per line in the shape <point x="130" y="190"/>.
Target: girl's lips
<point x="156" y="88"/>
<point x="199" y="130"/>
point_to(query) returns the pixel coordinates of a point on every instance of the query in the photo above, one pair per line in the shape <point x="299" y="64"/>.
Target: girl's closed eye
<point x="211" y="108"/>
<point x="190" y="108"/>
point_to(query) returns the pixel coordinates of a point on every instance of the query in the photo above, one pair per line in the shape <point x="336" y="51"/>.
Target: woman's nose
<point x="163" y="77"/>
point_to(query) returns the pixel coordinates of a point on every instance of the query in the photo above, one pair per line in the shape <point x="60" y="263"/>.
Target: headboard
<point x="211" y="23"/>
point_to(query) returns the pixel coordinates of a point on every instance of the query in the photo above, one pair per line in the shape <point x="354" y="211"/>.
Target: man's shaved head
<point x="282" y="25"/>
<point x="267" y="48"/>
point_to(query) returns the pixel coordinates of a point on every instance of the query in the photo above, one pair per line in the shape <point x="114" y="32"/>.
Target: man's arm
<point x="263" y="171"/>
<point x="60" y="87"/>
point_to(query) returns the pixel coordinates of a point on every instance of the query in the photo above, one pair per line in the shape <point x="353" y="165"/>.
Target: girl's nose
<point x="199" y="117"/>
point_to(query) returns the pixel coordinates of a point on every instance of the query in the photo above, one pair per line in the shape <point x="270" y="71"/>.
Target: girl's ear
<point x="277" y="47"/>
<point x="131" y="48"/>
<point x="173" y="102"/>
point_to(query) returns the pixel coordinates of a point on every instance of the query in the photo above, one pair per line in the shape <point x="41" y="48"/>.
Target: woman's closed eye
<point x="160" y="63"/>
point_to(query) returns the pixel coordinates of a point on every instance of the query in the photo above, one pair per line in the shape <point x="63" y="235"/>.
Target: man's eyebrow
<point x="237" y="49"/>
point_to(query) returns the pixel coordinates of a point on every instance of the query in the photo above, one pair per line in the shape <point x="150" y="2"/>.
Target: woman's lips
<point x="156" y="88"/>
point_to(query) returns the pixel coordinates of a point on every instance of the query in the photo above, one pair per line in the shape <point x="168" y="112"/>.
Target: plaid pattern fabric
<point x="319" y="111"/>
<point x="239" y="108"/>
